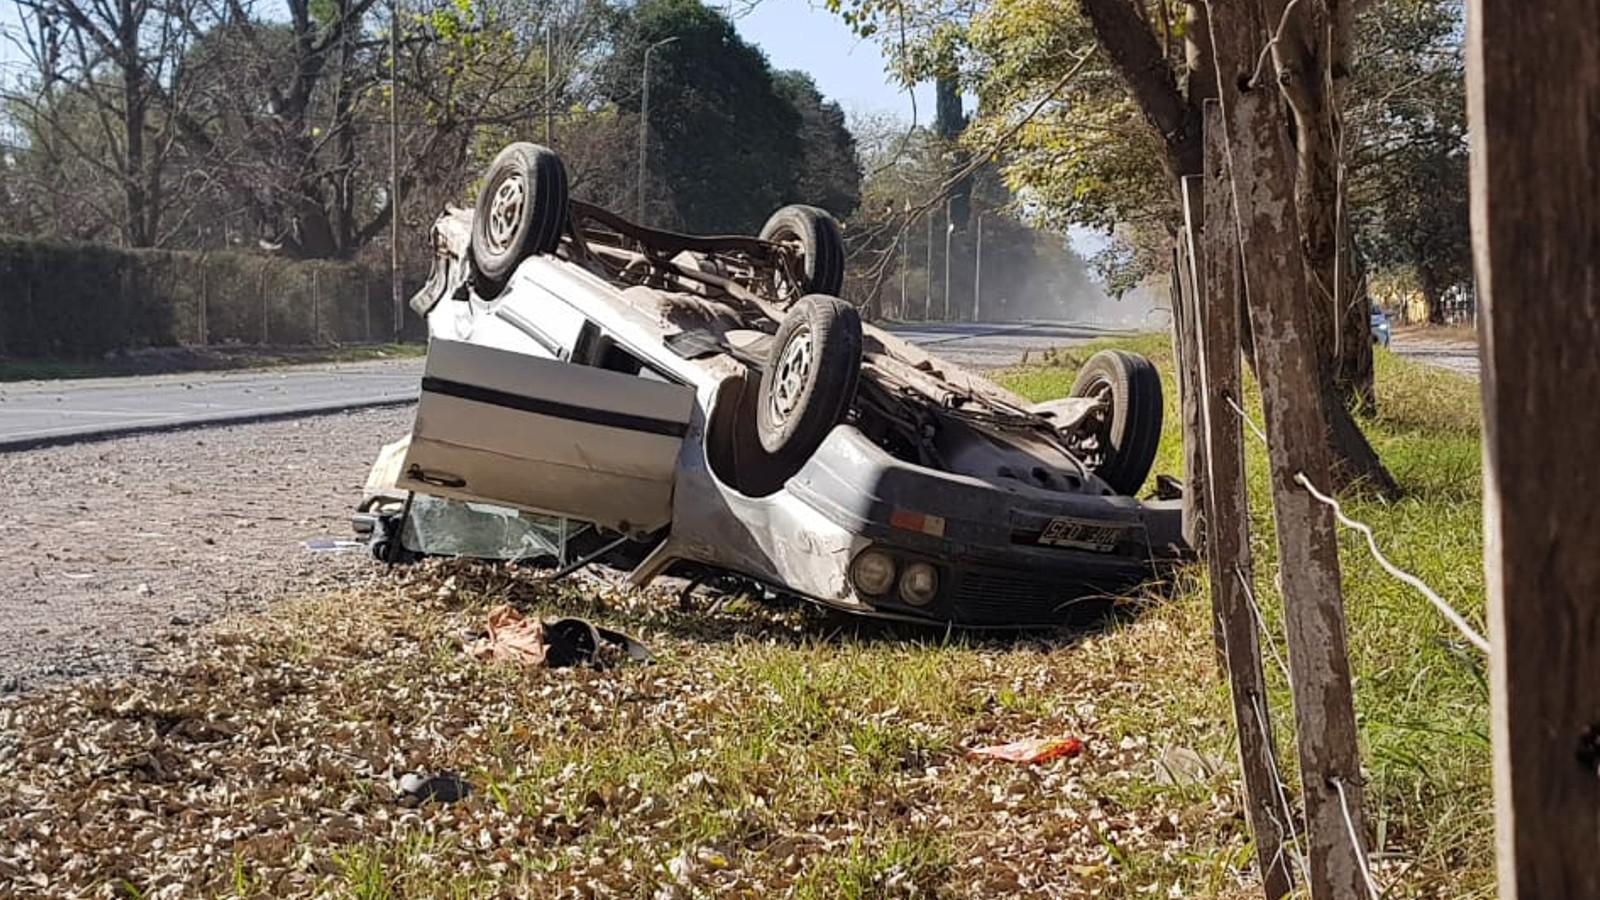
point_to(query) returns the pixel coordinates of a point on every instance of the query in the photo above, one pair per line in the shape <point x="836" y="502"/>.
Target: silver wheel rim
<point x="505" y="211"/>
<point x="789" y="381"/>
<point x="1091" y="441"/>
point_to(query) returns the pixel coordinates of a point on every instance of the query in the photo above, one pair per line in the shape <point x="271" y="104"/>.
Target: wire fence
<point x="1327" y="839"/>
<point x="1291" y="834"/>
<point x="1450" y="614"/>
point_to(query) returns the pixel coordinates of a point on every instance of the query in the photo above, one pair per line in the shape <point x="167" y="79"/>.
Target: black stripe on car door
<point x="554" y="408"/>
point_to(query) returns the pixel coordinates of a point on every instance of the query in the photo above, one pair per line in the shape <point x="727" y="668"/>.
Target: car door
<point x="544" y="435"/>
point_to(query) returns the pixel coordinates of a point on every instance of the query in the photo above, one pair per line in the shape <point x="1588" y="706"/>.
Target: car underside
<point x="821" y="455"/>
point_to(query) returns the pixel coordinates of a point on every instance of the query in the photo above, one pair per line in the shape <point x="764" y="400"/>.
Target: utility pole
<point x="549" y="85"/>
<point x="644" y="119"/>
<point x="927" y="298"/>
<point x="905" y="259"/>
<point x="977" y="273"/>
<point x="395" y="287"/>
<point x="949" y="231"/>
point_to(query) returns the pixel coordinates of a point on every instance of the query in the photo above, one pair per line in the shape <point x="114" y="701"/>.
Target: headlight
<point x="919" y="583"/>
<point x="873" y="572"/>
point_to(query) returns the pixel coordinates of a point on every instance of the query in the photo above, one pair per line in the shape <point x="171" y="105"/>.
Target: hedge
<point x="62" y="300"/>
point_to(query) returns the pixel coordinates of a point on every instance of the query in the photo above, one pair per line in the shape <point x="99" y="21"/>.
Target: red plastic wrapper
<point x="1031" y="751"/>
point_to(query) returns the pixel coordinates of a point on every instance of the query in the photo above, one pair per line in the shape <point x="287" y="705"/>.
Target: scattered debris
<point x="445" y="787"/>
<point x="1031" y="751"/>
<point x="512" y="638"/>
<point x="331" y="545"/>
<point x="1181" y="765"/>
<point x="262" y="758"/>
<point x="560" y="644"/>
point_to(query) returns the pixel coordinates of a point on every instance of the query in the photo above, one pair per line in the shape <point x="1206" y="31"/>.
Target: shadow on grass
<point x="721" y="609"/>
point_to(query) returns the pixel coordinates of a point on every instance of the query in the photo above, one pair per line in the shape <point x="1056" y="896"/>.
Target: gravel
<point x="119" y="546"/>
<point x="1457" y="357"/>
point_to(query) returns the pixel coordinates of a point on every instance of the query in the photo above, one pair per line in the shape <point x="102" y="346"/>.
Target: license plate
<point x="1081" y="535"/>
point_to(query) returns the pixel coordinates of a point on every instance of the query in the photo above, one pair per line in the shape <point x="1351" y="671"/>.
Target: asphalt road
<point x="33" y="413"/>
<point x="37" y="413"/>
<point x="1457" y="357"/>
<point x="980" y="345"/>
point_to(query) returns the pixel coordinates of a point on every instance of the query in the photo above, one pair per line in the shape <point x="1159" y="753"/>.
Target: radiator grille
<point x="983" y="598"/>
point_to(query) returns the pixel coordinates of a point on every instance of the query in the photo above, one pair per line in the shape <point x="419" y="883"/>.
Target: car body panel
<point x="846" y="499"/>
<point x="538" y="434"/>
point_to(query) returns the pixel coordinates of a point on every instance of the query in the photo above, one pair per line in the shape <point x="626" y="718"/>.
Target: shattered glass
<point x="438" y="526"/>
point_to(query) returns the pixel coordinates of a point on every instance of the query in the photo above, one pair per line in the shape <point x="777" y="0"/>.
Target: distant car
<point x="713" y="401"/>
<point x="1380" y="326"/>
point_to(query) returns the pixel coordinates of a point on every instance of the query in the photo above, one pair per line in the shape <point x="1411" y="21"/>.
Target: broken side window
<point x="439" y="526"/>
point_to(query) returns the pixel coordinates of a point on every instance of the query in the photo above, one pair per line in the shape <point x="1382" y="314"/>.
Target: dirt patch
<point x="114" y="545"/>
<point x="1439" y="334"/>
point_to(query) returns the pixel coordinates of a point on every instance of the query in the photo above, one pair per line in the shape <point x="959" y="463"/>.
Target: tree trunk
<point x="1310" y="82"/>
<point x="136" y="232"/>
<point x="1432" y="297"/>
<point x="1309" y="59"/>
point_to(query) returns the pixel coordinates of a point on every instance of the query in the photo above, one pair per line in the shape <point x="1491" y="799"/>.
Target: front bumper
<point x="982" y="538"/>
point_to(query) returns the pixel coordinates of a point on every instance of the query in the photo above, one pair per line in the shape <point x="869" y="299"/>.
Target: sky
<point x="797" y="34"/>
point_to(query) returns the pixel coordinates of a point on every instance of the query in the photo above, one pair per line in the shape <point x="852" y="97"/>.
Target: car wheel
<point x="521" y="210"/>
<point x="1119" y="440"/>
<point x="815" y="234"/>
<point x="809" y="381"/>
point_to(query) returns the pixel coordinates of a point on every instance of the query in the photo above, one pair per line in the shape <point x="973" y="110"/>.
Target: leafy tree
<point x="1026" y="273"/>
<point x="829" y="172"/>
<point x="1409" y="167"/>
<point x="723" y="143"/>
<point x="106" y="92"/>
<point x="1116" y="68"/>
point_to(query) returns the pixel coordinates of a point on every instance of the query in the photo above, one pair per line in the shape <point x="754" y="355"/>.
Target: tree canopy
<point x="261" y="124"/>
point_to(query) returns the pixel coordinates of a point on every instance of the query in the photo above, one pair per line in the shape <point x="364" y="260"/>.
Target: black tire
<point x="1132" y="431"/>
<point x="800" y="400"/>
<point x="506" y="228"/>
<point x="817" y="236"/>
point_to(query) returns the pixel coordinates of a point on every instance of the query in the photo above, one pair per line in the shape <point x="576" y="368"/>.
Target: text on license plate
<point x="1078" y="534"/>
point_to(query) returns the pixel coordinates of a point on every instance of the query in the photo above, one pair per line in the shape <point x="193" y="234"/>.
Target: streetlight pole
<point x="977" y="273"/>
<point x="396" y="290"/>
<point x="644" y="119"/>
<point x="905" y="258"/>
<point x="549" y="82"/>
<point x="949" y="231"/>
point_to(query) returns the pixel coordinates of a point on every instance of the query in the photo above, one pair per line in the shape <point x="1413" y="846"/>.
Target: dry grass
<point x="764" y="753"/>
<point x="767" y="752"/>
<point x="161" y="360"/>
<point x="1421" y="692"/>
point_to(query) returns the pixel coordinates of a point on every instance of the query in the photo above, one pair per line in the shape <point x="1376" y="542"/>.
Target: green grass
<point x="1421" y="693"/>
<point x="193" y="359"/>
<point x="767" y="752"/>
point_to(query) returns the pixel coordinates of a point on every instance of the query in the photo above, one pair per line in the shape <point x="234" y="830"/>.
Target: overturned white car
<point x="711" y="403"/>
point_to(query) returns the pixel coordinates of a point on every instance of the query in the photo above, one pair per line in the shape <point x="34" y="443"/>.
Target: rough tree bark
<point x="1311" y="60"/>
<point x="1263" y="176"/>
<point x="1175" y="111"/>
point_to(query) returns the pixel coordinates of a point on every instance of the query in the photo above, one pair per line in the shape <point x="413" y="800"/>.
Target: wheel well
<point x="733" y="450"/>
